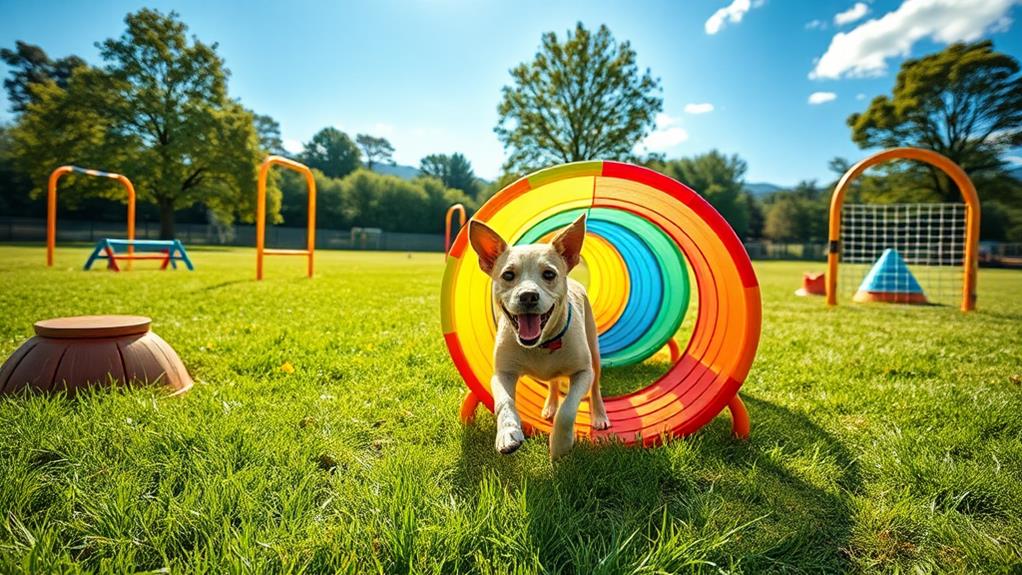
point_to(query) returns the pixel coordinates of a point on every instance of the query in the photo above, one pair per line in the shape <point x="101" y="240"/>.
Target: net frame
<point x="928" y="237"/>
<point x="969" y="226"/>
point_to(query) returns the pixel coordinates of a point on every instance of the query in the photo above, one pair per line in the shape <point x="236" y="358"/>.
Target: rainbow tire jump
<point x="646" y="234"/>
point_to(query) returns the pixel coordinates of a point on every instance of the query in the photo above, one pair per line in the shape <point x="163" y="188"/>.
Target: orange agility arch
<point x="310" y="181"/>
<point x="704" y="378"/>
<point x="957" y="175"/>
<point x="460" y="209"/>
<point x="51" y="204"/>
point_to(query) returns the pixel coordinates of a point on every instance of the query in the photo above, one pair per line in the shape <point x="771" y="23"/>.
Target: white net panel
<point x="928" y="238"/>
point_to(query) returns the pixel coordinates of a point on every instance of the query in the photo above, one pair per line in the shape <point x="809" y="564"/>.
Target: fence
<point x="34" y="230"/>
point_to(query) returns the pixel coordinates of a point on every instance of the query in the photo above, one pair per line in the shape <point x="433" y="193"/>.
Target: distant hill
<point x="404" y="172"/>
<point x="407" y="172"/>
<point x="760" y="189"/>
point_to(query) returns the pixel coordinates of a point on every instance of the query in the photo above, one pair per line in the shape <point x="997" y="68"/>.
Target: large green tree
<point x="377" y="150"/>
<point x="455" y="171"/>
<point x="157" y="111"/>
<point x="719" y="179"/>
<point x="964" y="102"/>
<point x="581" y="99"/>
<point x="332" y="152"/>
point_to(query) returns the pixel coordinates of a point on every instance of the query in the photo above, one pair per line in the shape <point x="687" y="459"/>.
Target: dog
<point x="545" y="330"/>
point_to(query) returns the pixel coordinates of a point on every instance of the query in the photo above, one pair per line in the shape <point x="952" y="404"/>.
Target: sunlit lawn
<point x="884" y="438"/>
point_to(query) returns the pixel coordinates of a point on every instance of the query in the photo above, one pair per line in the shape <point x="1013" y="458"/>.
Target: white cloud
<point x="292" y="145"/>
<point x="864" y="50"/>
<point x="860" y="96"/>
<point x="851" y="15"/>
<point x="822" y="97"/>
<point x="666" y="135"/>
<point x="1013" y="160"/>
<point x="698" y="108"/>
<point x="732" y="13"/>
<point x="816" y="25"/>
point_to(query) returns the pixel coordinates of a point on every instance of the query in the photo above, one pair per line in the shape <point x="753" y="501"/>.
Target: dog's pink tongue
<point x="528" y="326"/>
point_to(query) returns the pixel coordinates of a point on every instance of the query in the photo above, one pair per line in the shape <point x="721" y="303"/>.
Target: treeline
<point x="367" y="199"/>
<point x="158" y="110"/>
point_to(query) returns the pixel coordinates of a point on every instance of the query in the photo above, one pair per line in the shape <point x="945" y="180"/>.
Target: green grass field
<point x="884" y="439"/>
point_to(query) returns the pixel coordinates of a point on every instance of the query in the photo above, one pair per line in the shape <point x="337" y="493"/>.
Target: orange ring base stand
<point x="957" y="175"/>
<point x="703" y="380"/>
<point x="51" y="204"/>
<point x="310" y="181"/>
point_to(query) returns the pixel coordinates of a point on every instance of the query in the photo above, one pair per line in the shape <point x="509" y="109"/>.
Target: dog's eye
<point x="549" y="275"/>
<point x="508" y="276"/>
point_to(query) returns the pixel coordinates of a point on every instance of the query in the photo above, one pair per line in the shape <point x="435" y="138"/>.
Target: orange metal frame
<point x="310" y="181"/>
<point x="934" y="159"/>
<point x="447" y="225"/>
<point x="51" y="204"/>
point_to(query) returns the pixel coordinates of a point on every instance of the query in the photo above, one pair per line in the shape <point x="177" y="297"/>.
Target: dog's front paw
<point x="509" y="439"/>
<point x="601" y="421"/>
<point x="561" y="446"/>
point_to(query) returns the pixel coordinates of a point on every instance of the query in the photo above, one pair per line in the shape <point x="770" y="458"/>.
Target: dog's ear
<point x="568" y="243"/>
<point x="487" y="243"/>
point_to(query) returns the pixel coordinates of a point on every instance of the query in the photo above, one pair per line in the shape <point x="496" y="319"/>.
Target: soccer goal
<point x="904" y="253"/>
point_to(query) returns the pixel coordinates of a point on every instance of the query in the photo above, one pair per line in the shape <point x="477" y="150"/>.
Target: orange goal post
<point x="261" y="249"/>
<point x="933" y="239"/>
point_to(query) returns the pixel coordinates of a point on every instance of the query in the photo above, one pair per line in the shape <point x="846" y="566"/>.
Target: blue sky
<point x="737" y="75"/>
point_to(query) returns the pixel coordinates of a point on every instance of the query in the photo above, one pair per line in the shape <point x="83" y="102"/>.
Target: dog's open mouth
<point x="529" y="326"/>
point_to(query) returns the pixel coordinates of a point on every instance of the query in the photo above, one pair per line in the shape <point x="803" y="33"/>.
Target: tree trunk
<point x="166" y="219"/>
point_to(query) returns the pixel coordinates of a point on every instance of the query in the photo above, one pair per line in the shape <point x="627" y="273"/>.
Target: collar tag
<point x="556" y="343"/>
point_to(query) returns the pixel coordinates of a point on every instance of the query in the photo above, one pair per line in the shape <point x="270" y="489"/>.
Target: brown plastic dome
<point x="73" y="353"/>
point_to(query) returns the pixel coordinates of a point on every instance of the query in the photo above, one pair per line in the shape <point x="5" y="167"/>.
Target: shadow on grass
<point x="221" y="285"/>
<point x="773" y="502"/>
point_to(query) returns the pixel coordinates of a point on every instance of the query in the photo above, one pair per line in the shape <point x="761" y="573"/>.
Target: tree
<point x="332" y="152"/>
<point x="13" y="184"/>
<point x="786" y="220"/>
<point x="30" y="66"/>
<point x="268" y="130"/>
<point x="434" y="166"/>
<point x="158" y="111"/>
<point x="455" y="171"/>
<point x="376" y="150"/>
<point x="719" y="179"/>
<point x="582" y="99"/>
<point x="964" y="102"/>
<point x="799" y="214"/>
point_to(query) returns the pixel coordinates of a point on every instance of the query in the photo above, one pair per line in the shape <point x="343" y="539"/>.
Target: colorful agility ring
<point x="646" y="232"/>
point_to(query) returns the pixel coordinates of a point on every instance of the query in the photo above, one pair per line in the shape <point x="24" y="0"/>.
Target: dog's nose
<point x="529" y="298"/>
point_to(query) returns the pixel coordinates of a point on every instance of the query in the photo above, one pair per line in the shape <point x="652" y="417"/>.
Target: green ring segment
<point x="671" y="299"/>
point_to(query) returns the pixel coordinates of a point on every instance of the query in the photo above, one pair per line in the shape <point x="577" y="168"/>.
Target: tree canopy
<point x="719" y="179"/>
<point x="455" y="171"/>
<point x="268" y="130"/>
<point x="799" y="214"/>
<point x="581" y="99"/>
<point x="157" y="111"/>
<point x="30" y="66"/>
<point x="376" y="150"/>
<point x="332" y="152"/>
<point x="964" y="102"/>
<point x="367" y="199"/>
